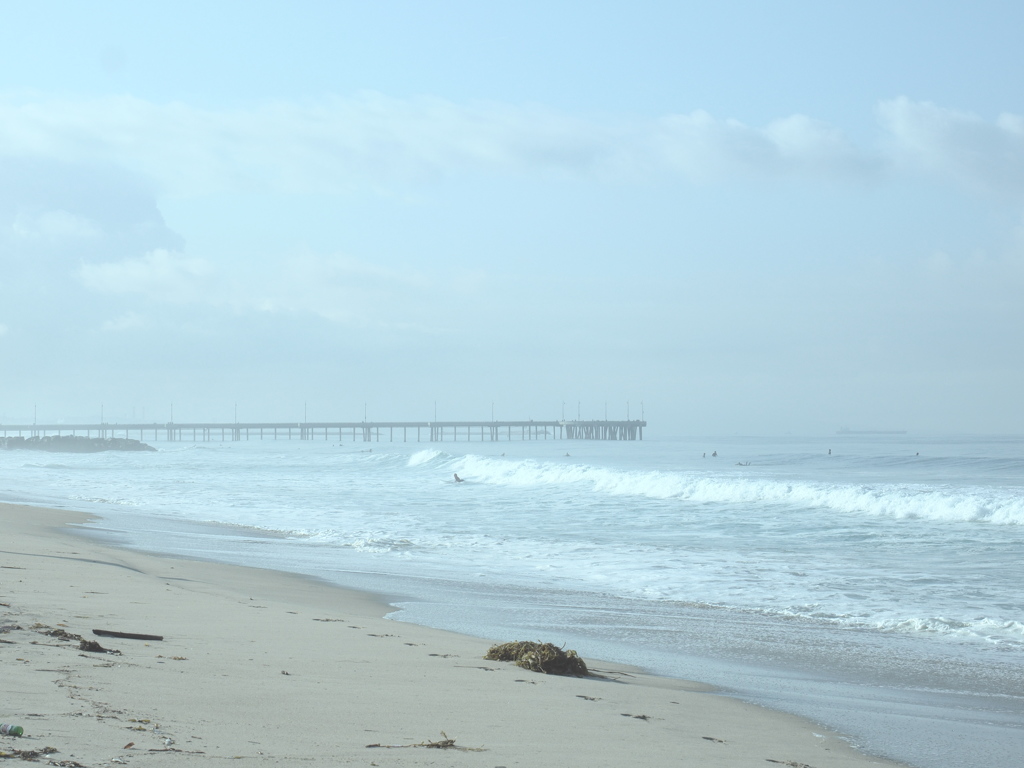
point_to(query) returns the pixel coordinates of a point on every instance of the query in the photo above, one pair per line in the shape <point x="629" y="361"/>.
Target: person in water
<point x="458" y="479"/>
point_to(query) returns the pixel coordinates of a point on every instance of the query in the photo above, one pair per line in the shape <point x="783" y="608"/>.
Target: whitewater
<point x="871" y="583"/>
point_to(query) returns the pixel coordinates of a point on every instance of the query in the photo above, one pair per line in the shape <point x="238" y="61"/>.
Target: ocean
<point x="872" y="583"/>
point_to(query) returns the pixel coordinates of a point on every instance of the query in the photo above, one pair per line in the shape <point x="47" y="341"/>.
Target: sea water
<point x="871" y="583"/>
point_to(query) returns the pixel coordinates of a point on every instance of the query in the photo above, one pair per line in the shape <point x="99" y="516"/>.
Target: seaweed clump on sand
<point x="539" y="657"/>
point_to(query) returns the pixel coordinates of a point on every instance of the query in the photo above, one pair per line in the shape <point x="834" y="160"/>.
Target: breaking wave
<point x="900" y="501"/>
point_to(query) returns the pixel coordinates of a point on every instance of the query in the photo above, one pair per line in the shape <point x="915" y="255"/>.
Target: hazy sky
<point x="753" y="217"/>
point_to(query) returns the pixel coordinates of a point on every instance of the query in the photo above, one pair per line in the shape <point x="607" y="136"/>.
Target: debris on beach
<point x="445" y="743"/>
<point x="126" y="635"/>
<point x="539" y="657"/>
<point x="93" y="647"/>
<point x="62" y="634"/>
<point x="28" y="754"/>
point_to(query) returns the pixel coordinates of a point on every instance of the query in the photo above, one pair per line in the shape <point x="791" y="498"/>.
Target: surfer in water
<point x="458" y="479"/>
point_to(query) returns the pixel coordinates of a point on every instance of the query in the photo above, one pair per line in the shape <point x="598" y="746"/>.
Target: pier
<point x="352" y="431"/>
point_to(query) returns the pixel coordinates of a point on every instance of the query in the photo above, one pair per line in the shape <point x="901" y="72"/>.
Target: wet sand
<point x="279" y="669"/>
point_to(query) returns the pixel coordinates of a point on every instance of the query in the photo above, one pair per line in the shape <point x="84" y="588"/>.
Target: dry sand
<point x="276" y="669"/>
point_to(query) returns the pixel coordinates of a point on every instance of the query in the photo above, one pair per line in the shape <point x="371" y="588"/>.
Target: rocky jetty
<point x="73" y="444"/>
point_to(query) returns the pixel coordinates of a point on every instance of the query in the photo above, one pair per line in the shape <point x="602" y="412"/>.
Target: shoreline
<point x="278" y="667"/>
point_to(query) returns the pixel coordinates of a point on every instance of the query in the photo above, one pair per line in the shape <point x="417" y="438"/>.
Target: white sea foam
<point x="424" y="457"/>
<point x="999" y="506"/>
<point x="790" y="535"/>
<point x="102" y="500"/>
<point x="992" y="630"/>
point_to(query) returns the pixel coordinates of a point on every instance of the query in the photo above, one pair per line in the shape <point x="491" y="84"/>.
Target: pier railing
<point x="363" y="431"/>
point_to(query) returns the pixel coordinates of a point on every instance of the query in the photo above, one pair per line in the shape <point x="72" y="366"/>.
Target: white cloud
<point x="336" y="144"/>
<point x="125" y="322"/>
<point x="336" y="288"/>
<point x="704" y="147"/>
<point x="812" y="144"/>
<point x="955" y="144"/>
<point x="159" y="274"/>
<point x="327" y="146"/>
<point x="346" y="291"/>
<point x="54" y="226"/>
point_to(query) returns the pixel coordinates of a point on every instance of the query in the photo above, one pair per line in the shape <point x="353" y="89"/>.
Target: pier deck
<point x="364" y="431"/>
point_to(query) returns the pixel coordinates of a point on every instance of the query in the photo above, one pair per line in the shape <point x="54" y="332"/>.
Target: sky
<point x="731" y="218"/>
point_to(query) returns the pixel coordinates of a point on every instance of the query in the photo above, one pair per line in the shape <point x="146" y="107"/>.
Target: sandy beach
<point x="277" y="669"/>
